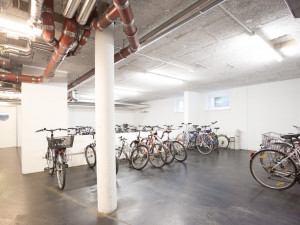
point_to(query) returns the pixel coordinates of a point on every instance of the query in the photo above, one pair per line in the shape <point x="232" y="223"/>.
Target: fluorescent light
<point x="18" y="27"/>
<point x="161" y="80"/>
<point x="10" y="95"/>
<point x="265" y="48"/>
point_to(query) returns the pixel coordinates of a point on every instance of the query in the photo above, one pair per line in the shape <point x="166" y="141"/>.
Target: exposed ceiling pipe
<point x="85" y="11"/>
<point x="70" y="8"/>
<point x="48" y="24"/>
<point x="67" y="38"/>
<point x="5" y="63"/>
<point x="20" y="78"/>
<point x="130" y="29"/>
<point x="178" y="20"/>
<point x="122" y="8"/>
<point x="86" y="33"/>
<point x="107" y="19"/>
<point x="170" y="25"/>
<point x="35" y="11"/>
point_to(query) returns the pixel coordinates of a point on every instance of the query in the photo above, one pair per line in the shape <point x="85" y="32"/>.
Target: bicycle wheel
<point x="90" y="156"/>
<point x="117" y="165"/>
<point x="180" y="151"/>
<point x="158" y="156"/>
<point x="139" y="157"/>
<point x="205" y="144"/>
<point x="223" y="141"/>
<point x="170" y="151"/>
<point x="182" y="137"/>
<point x="273" y="169"/>
<point x="60" y="171"/>
<point x="50" y="162"/>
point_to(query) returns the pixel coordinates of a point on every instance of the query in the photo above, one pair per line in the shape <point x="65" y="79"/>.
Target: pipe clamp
<point x="69" y="33"/>
<point x="3" y="76"/>
<point x="122" y="7"/>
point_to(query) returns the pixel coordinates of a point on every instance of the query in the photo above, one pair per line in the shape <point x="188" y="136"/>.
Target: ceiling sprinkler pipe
<point x="85" y="11"/>
<point x="35" y="11"/>
<point x="70" y="8"/>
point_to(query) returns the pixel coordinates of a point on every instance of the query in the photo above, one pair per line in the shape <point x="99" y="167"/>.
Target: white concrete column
<point x="105" y="120"/>
<point x="192" y="107"/>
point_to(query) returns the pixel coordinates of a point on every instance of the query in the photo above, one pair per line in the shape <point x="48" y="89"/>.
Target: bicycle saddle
<point x="290" y="136"/>
<point x="217" y="128"/>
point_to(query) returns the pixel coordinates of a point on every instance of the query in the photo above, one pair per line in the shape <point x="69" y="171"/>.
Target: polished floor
<point x="214" y="189"/>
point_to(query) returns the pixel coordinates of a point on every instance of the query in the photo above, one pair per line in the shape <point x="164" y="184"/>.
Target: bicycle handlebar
<point x="51" y="130"/>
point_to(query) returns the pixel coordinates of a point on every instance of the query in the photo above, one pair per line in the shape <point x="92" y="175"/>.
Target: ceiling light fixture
<point x="266" y="47"/>
<point x="18" y="27"/>
<point x="162" y="80"/>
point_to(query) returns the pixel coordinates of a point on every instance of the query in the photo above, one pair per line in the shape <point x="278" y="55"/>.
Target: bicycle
<point x="276" y="165"/>
<point x="56" y="155"/>
<point x="222" y="139"/>
<point x="89" y="150"/>
<point x="139" y="154"/>
<point x="180" y="153"/>
<point x="190" y="139"/>
<point x="157" y="153"/>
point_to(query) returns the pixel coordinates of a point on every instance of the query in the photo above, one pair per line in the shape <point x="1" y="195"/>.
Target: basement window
<point x="179" y="105"/>
<point x="218" y="101"/>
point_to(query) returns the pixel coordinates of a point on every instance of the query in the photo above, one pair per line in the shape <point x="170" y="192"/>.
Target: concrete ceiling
<point x="210" y="52"/>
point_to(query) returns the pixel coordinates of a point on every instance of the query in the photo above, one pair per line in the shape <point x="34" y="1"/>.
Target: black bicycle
<point x="56" y="155"/>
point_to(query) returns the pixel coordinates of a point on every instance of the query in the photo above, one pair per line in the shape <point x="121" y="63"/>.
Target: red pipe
<point x="86" y="33"/>
<point x="107" y="19"/>
<point x="130" y="29"/>
<point x="20" y="78"/>
<point x="48" y="23"/>
<point x="67" y="38"/>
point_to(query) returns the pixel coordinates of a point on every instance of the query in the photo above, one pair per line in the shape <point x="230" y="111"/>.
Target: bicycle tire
<point x="117" y="165"/>
<point x="90" y="156"/>
<point x="204" y="144"/>
<point x="181" y="152"/>
<point x="170" y="151"/>
<point x="60" y="171"/>
<point x="262" y="169"/>
<point x="182" y="137"/>
<point x="139" y="154"/>
<point x="50" y="161"/>
<point x="158" y="156"/>
<point x="223" y="141"/>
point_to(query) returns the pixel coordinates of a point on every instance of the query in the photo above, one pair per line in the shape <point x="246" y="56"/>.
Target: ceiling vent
<point x="294" y="6"/>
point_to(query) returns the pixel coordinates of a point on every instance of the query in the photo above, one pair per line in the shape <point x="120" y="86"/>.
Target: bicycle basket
<point x="61" y="142"/>
<point x="272" y="140"/>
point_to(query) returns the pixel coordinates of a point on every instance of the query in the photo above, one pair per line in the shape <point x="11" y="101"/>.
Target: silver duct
<point x="70" y="8"/>
<point x="36" y="11"/>
<point x="86" y="11"/>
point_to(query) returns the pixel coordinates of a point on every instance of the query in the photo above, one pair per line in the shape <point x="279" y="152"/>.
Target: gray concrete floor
<point x="214" y="189"/>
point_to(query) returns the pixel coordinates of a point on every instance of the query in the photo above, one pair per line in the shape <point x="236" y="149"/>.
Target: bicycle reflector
<point x="251" y="154"/>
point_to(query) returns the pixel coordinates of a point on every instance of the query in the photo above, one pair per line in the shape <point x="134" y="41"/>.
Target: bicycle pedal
<point x="46" y="169"/>
<point x="66" y="166"/>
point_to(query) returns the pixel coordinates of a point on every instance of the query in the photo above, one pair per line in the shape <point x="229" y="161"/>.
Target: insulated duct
<point x="130" y="29"/>
<point x="67" y="39"/>
<point x="70" y="8"/>
<point x="85" y="11"/>
<point x="48" y="24"/>
<point x="20" y="78"/>
<point x="35" y="11"/>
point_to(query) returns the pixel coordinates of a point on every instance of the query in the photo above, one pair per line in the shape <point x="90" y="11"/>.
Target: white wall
<point x="8" y="131"/>
<point x="161" y="112"/>
<point x="254" y="110"/>
<point x="43" y="106"/>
